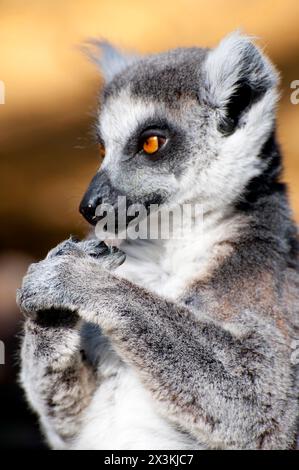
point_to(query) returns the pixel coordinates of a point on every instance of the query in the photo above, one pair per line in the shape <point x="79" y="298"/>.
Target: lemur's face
<point x="187" y="125"/>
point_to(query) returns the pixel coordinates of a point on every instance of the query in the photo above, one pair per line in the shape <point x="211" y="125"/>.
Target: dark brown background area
<point x="47" y="152"/>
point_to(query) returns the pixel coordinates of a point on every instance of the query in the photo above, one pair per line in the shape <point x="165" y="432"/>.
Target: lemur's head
<point x="184" y="125"/>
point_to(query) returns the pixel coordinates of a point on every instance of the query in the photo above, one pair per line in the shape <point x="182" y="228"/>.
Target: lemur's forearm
<point x="200" y="373"/>
<point x="58" y="381"/>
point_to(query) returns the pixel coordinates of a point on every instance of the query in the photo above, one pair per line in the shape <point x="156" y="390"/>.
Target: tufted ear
<point x="108" y="58"/>
<point x="236" y="75"/>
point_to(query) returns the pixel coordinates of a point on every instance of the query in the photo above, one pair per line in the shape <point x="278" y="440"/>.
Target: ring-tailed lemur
<point x="187" y="344"/>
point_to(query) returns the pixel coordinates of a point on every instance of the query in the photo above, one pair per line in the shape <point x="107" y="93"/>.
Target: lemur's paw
<point x="68" y="247"/>
<point x="45" y="286"/>
<point x="109" y="257"/>
<point x="59" y="281"/>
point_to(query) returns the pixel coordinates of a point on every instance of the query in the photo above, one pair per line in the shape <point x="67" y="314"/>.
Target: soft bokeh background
<point x="47" y="154"/>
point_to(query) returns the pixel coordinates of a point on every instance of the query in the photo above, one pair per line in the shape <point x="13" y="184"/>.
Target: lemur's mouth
<point x="115" y="215"/>
<point x="123" y="220"/>
<point x="102" y="199"/>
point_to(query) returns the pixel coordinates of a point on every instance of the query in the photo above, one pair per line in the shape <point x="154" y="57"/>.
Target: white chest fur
<point x="122" y="415"/>
<point x="167" y="267"/>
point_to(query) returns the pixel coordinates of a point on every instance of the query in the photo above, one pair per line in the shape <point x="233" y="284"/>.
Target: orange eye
<point x="102" y="151"/>
<point x="152" y="144"/>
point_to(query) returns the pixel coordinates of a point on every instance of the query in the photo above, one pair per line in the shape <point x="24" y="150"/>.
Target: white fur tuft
<point x="234" y="59"/>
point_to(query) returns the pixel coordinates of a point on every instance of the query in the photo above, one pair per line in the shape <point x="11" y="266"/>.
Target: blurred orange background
<point x="47" y="153"/>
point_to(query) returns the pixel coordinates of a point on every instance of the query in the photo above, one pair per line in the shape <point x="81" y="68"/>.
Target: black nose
<point x="99" y="191"/>
<point x="88" y="207"/>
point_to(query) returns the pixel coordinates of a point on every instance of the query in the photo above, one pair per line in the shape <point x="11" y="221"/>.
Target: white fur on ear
<point x="234" y="60"/>
<point x="108" y="58"/>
